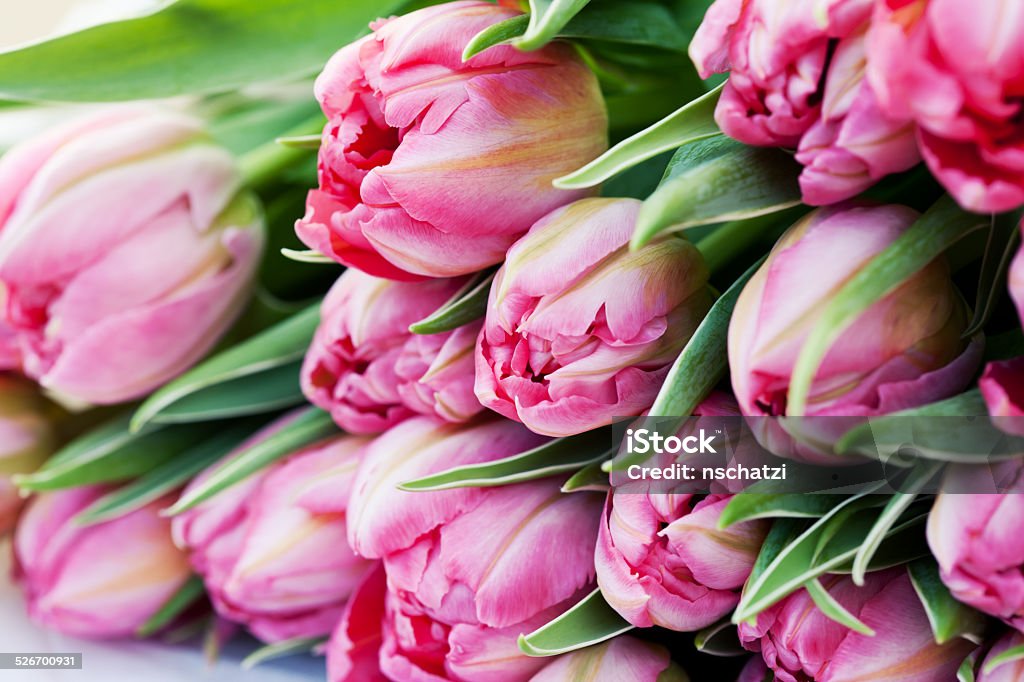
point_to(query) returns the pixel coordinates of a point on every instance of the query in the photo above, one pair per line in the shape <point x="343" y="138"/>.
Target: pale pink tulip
<point x="125" y="251"/>
<point x="662" y="560"/>
<point x="1012" y="671"/>
<point x="272" y="550"/>
<point x="469" y="569"/>
<point x="27" y="438"/>
<point x="975" y="539"/>
<point x="370" y="372"/>
<point x="776" y="52"/>
<point x="904" y="351"/>
<point x="623" y="658"/>
<point x="431" y="166"/>
<point x="953" y="68"/>
<point x="104" y="580"/>
<point x="579" y="329"/>
<point x="801" y="644"/>
<point x="1002" y="384"/>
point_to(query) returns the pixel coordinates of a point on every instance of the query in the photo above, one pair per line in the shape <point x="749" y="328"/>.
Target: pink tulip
<point x="776" y="52"/>
<point x="272" y="550"/>
<point x="430" y="166"/>
<point x="662" y="560"/>
<point x="623" y="658"/>
<point x="754" y="671"/>
<point x="974" y="537"/>
<point x="468" y="569"/>
<point x="904" y="351"/>
<point x="1012" y="671"/>
<point x="353" y="651"/>
<point x="800" y="644"/>
<point x="1002" y="384"/>
<point x="579" y="329"/>
<point x="27" y="438"/>
<point x="125" y="251"/>
<point x="370" y="372"/>
<point x="104" y="580"/>
<point x="953" y="68"/>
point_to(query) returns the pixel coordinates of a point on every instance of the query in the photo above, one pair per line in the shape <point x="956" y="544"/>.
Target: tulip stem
<point x="262" y="165"/>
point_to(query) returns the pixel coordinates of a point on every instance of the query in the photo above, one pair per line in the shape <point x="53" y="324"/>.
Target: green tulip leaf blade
<point x="720" y="639"/>
<point x="289" y="647"/>
<point x="591" y="478"/>
<point x="938" y="229"/>
<point x="496" y="34"/>
<point x="307" y="256"/>
<point x="303" y="428"/>
<point x="188" y="46"/>
<point x="835" y="611"/>
<point x="692" y="122"/>
<point x="1011" y="655"/>
<point x="558" y="456"/>
<point x="189" y="593"/>
<point x="948" y="617"/>
<point x="232" y="379"/>
<point x="715" y="180"/>
<point x="750" y="506"/>
<point x="547" y="19"/>
<point x="589" y="622"/>
<point x="467" y="305"/>
<point x="1004" y="237"/>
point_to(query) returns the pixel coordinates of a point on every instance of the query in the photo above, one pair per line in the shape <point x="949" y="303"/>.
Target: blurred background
<point x="23" y="22"/>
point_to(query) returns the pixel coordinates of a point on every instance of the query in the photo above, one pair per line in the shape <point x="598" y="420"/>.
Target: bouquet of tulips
<point x="342" y="365"/>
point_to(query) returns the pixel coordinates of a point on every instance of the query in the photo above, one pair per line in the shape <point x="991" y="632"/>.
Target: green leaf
<point x="311" y="257"/>
<point x="111" y="453"/>
<point x="835" y="611"/>
<point x="716" y="180"/>
<point x="898" y="503"/>
<point x="467" y="305"/>
<point x="300" y="141"/>
<point x="694" y="121"/>
<point x="187" y="594"/>
<point x="306" y="427"/>
<point x="557" y="456"/>
<point x="591" y="478"/>
<point x="784" y="532"/>
<point x="496" y="34"/>
<point x="547" y="18"/>
<point x="948" y="617"/>
<point x="250" y="126"/>
<point x="720" y="639"/>
<point x="289" y="647"/>
<point x="966" y="671"/>
<point x="232" y="382"/>
<point x="939" y="228"/>
<point x="992" y="663"/>
<point x="189" y="46"/>
<point x="1003" y="238"/>
<point x="704" y="360"/>
<point x="589" y="622"/>
<point x="751" y="506"/>
<point x="166" y="477"/>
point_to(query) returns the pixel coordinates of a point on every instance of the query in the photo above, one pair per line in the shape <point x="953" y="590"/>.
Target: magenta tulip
<point x="776" y="52"/>
<point x="953" y="68"/>
<point x="431" y="166"/>
<point x="800" y="644"/>
<point x="370" y="372"/>
<point x="272" y="550"/>
<point x="125" y="251"/>
<point x="103" y="580"/>
<point x="905" y="350"/>
<point x="974" y="537"/>
<point x="1002" y="384"/>
<point x="662" y="560"/>
<point x="27" y="438"/>
<point x="623" y="658"/>
<point x="468" y="569"/>
<point x="1011" y="671"/>
<point x="581" y="330"/>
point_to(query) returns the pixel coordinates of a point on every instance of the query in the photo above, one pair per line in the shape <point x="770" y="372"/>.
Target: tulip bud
<point x="370" y="372"/>
<point x="662" y="560"/>
<point x="579" y="329"/>
<point x="776" y="52"/>
<point x="26" y="440"/>
<point x="621" y="658"/>
<point x="272" y="550"/>
<point x="1002" y="384"/>
<point x="431" y="166"/>
<point x="464" y="574"/>
<point x="800" y="644"/>
<point x="1012" y="671"/>
<point x="903" y="351"/>
<point x="103" y="580"/>
<point x="125" y="251"/>
<point x="974" y="539"/>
